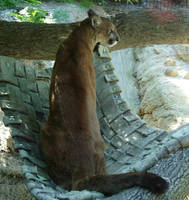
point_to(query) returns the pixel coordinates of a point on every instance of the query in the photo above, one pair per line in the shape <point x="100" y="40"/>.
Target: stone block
<point x="36" y="101"/>
<point x="101" y="86"/>
<point x="11" y="107"/>
<point x="117" y="142"/>
<point x="129" y="117"/>
<point x="98" y="110"/>
<point x="135" y="139"/>
<point x="104" y="52"/>
<point x="117" y="98"/>
<point x="8" y="78"/>
<point x="46" y="114"/>
<point x="12" y="120"/>
<point x="144" y="130"/>
<point x="26" y="98"/>
<point x="16" y="95"/>
<point x="123" y="106"/>
<point x="43" y="88"/>
<point x="105" y="128"/>
<point x="24" y="154"/>
<point x="110" y="109"/>
<point x="104" y="67"/>
<point x="119" y="125"/>
<point x="131" y="150"/>
<point x="153" y="136"/>
<point x="27" y="85"/>
<point x="26" y="134"/>
<point x="115" y="88"/>
<point x="111" y="78"/>
<point x="43" y="74"/>
<point x="7" y="66"/>
<point x="30" y="72"/>
<point x="133" y="127"/>
<point x="4" y="91"/>
<point x="19" y="69"/>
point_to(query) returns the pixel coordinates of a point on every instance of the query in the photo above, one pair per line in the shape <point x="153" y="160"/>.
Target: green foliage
<point x="127" y="1"/>
<point x="131" y="1"/>
<point x="102" y="2"/>
<point x="8" y="4"/>
<point x="65" y="1"/>
<point x="32" y="2"/>
<point x="60" y="15"/>
<point x="86" y="3"/>
<point x="35" y="15"/>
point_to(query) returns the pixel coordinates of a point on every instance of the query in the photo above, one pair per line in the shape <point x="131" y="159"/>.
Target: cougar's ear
<point x="95" y="19"/>
<point x="91" y="13"/>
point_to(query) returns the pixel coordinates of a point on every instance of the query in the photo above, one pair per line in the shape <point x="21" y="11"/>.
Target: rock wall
<point x="162" y="78"/>
<point x="124" y="62"/>
<point x="154" y="82"/>
<point x="12" y="181"/>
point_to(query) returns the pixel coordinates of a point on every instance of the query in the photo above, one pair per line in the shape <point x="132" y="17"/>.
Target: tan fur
<point x="71" y="140"/>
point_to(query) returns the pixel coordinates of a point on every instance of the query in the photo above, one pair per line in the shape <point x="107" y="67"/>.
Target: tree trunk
<point x="151" y="26"/>
<point x="137" y="27"/>
<point x="32" y="40"/>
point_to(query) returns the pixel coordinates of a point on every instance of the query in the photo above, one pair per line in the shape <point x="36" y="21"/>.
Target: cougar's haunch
<point x="71" y="140"/>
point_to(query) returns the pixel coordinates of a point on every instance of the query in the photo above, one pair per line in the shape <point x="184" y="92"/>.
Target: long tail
<point x="111" y="184"/>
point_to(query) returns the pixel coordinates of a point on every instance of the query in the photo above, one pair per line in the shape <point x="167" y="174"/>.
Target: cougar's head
<point x="104" y="30"/>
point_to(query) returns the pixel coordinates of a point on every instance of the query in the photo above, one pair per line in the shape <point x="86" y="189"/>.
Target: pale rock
<point x="170" y="63"/>
<point x="156" y="51"/>
<point x="6" y="141"/>
<point x="159" y="95"/>
<point x="124" y="61"/>
<point x="171" y="72"/>
<point x="165" y="98"/>
<point x="186" y="76"/>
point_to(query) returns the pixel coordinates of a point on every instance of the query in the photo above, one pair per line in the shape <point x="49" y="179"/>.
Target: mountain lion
<point x="71" y="140"/>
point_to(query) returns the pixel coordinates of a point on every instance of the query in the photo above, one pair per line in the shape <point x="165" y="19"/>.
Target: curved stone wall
<point x="131" y="145"/>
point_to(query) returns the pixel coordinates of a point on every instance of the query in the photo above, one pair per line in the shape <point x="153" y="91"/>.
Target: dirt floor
<point x="12" y="185"/>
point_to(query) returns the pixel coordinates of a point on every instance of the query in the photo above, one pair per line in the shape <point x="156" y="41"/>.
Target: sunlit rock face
<point x="158" y="78"/>
<point x="124" y="62"/>
<point x="5" y="136"/>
